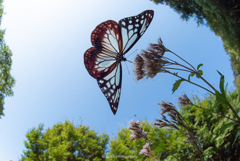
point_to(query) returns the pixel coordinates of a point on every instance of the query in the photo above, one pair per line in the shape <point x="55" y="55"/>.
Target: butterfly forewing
<point x="110" y="85"/>
<point x="107" y="38"/>
<point x="132" y="28"/>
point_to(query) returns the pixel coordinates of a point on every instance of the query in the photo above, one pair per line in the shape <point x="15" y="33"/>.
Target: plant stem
<point x="182" y="59"/>
<point x="217" y="113"/>
<point x="174" y="157"/>
<point x="178" y="69"/>
<point x="189" y="82"/>
<point x="234" y="112"/>
<point x="205" y="81"/>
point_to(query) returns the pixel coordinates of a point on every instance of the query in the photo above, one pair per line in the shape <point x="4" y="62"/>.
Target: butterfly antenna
<point x="129" y="61"/>
<point x="127" y="68"/>
<point x="132" y="53"/>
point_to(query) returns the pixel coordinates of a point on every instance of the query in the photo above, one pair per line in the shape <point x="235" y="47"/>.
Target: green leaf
<point x="222" y="84"/>
<point x="176" y="85"/>
<point x="209" y="111"/>
<point x="220" y="98"/>
<point x="200" y="72"/>
<point x="224" y="127"/>
<point x="199" y="66"/>
<point x="236" y="137"/>
<point x="175" y="73"/>
<point x="158" y="146"/>
<point x="190" y="75"/>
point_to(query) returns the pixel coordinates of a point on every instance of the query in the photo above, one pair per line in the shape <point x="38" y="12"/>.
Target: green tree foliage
<point x="217" y="135"/>
<point x="64" y="142"/>
<point x="223" y="17"/>
<point x="123" y="149"/>
<point x="6" y="79"/>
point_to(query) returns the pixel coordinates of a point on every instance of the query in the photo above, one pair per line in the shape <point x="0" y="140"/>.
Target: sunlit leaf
<point x="158" y="146"/>
<point x="190" y="75"/>
<point x="224" y="127"/>
<point x="176" y="85"/>
<point x="199" y="66"/>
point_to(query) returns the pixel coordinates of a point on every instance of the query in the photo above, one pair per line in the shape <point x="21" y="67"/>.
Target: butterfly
<point x="111" y="40"/>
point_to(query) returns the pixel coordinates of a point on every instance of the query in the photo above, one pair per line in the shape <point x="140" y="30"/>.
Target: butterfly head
<point x="120" y="58"/>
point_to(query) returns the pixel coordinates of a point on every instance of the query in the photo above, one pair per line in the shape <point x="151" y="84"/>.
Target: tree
<point x="64" y="142"/>
<point x="223" y="17"/>
<point x="6" y="79"/>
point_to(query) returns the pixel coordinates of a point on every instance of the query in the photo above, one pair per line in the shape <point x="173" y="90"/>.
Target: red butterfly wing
<point x="107" y="42"/>
<point x="97" y="63"/>
<point x="101" y="63"/>
<point x="132" y="28"/>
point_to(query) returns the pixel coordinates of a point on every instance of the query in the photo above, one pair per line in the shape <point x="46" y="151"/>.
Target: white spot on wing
<point x="130" y="27"/>
<point x="118" y="75"/>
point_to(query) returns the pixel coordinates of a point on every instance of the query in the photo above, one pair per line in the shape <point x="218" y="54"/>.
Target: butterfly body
<point x="120" y="58"/>
<point x="111" y="40"/>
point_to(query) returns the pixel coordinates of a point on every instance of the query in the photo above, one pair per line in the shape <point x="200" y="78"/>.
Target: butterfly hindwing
<point x="98" y="63"/>
<point x="107" y="42"/>
<point x="132" y="28"/>
<point x="110" y="86"/>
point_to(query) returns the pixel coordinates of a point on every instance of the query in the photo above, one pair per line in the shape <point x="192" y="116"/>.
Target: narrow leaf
<point x="199" y="66"/>
<point x="190" y="75"/>
<point x="224" y="127"/>
<point x="236" y="137"/>
<point x="222" y="84"/>
<point x="176" y="85"/>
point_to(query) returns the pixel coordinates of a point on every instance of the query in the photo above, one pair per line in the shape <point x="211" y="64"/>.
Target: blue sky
<point x="48" y="39"/>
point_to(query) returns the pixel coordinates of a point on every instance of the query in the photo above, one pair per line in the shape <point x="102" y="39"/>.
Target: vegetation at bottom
<point x="219" y="137"/>
<point x="64" y="142"/>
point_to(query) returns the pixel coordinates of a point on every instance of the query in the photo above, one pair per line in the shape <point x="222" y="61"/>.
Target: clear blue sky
<point x="48" y="39"/>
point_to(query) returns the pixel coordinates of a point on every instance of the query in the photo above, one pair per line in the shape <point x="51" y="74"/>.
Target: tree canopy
<point x="64" y="142"/>
<point x="6" y="79"/>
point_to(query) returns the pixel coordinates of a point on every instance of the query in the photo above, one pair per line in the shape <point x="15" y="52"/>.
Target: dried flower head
<point x="146" y="151"/>
<point x="138" y="67"/>
<point x="138" y="132"/>
<point x="185" y="100"/>
<point x="150" y="61"/>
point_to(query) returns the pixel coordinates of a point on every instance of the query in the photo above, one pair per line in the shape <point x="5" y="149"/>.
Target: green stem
<point x="205" y="80"/>
<point x="189" y="82"/>
<point x="234" y="112"/>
